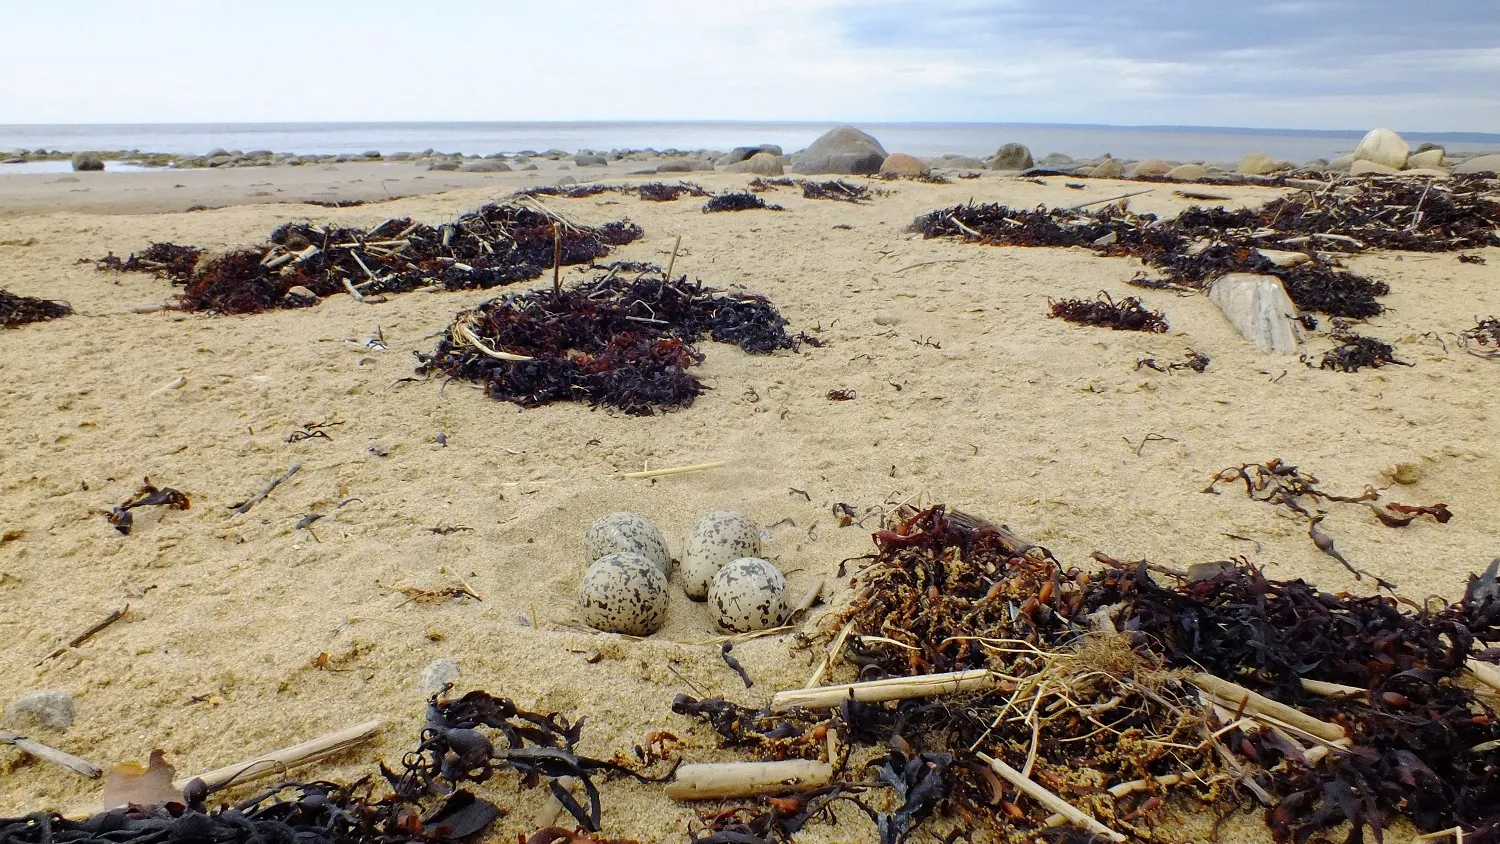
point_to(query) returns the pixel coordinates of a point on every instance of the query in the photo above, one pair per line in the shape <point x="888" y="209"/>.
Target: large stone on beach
<point x="958" y="162"/>
<point x="843" y="151"/>
<point x="1012" y="157"/>
<point x="588" y="160"/>
<point x="901" y="164"/>
<point x="1364" y="167"/>
<point x="84" y="162"/>
<point x="1482" y="164"/>
<point x="738" y="154"/>
<point x="1431" y="158"/>
<point x="1109" y="168"/>
<point x="444" y="164"/>
<point x="1343" y="162"/>
<point x="1258" y="307"/>
<point x="1383" y="146"/>
<point x="760" y="164"/>
<point x="685" y="165"/>
<point x="1257" y="164"/>
<point x="51" y="709"/>
<point x="486" y="165"/>
<point x="1188" y="173"/>
<point x="1148" y="167"/>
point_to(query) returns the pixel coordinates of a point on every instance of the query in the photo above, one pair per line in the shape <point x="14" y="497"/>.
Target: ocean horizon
<point x="1185" y="143"/>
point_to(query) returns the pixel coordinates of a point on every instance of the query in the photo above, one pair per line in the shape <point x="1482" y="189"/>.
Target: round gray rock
<point x="1012" y="157"/>
<point x="51" y="709"/>
<point x="436" y="676"/>
<point x="486" y="165"/>
<point x="759" y="164"/>
<point x="844" y="151"/>
<point x="84" y="162"/>
<point x="590" y="160"/>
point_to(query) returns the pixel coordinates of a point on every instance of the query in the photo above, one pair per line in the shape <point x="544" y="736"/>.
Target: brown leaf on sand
<point x="130" y="784"/>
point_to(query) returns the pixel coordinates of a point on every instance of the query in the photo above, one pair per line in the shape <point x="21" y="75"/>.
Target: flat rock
<point x="739" y="154"/>
<point x="446" y="164"/>
<point x="1258" y="307"/>
<point x="1109" y="168"/>
<point x="1343" y="162"/>
<point x="1427" y="173"/>
<point x="436" y="675"/>
<point x="844" y="151"/>
<point x="51" y="709"/>
<point x="1429" y="159"/>
<point x="957" y="162"/>
<point x="1383" y="146"/>
<point x="1148" y="167"/>
<point x="760" y="164"/>
<point x="901" y="164"/>
<point x="1057" y="159"/>
<point x="485" y="165"/>
<point x="1188" y="173"/>
<point x="1482" y="164"/>
<point x="583" y="160"/>
<point x="1257" y="164"/>
<point x="1366" y="167"/>
<point x="1011" y="157"/>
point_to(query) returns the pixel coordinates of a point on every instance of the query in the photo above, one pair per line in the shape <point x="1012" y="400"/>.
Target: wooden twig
<point x="895" y="688"/>
<point x="50" y="754"/>
<point x="1238" y="697"/>
<point x="1485" y="673"/>
<point x="175" y="384"/>
<point x="469" y="337"/>
<point x="970" y="232"/>
<point x="87" y="634"/>
<point x="288" y="757"/>
<point x="811" y="597"/>
<point x="1049" y="800"/>
<point x="556" y="261"/>
<point x="929" y="263"/>
<point x="747" y="779"/>
<point x="672" y="262"/>
<point x="244" y="507"/>
<point x="358" y="296"/>
<point x="1326" y="689"/>
<point x="1083" y="205"/>
<point x="676" y="470"/>
<point x="828" y="657"/>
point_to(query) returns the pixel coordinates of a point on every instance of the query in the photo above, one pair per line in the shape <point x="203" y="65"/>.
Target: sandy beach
<point x="245" y="633"/>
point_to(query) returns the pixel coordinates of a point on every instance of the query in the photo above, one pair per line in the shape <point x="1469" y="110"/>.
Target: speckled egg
<point x="748" y="594"/>
<point x="624" y="593"/>
<point x="626" y="531"/>
<point x="716" y="539"/>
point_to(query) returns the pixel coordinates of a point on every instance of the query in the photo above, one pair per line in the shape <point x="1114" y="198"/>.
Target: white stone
<point x="1383" y="146"/>
<point x="1429" y="159"/>
<point x="1366" y="167"/>
<point x="1482" y="164"/>
<point x="1257" y="164"/>
<point x="1188" y="173"/>
<point x="1257" y="305"/>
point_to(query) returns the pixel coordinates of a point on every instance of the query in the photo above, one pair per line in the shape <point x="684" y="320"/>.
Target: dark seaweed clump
<point x="1126" y="315"/>
<point x="493" y="245"/>
<point x="662" y="192"/>
<point x="737" y="202"/>
<point x="837" y="190"/>
<point x="16" y="311"/>
<point x="612" y="342"/>
<point x="1354" y="352"/>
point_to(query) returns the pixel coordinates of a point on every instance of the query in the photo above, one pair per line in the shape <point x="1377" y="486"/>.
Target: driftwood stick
<point x="358" y="296"/>
<point x="469" y="337"/>
<point x="747" y="779"/>
<point x="813" y="593"/>
<point x="1326" y="689"/>
<point x="50" y="754"/>
<point x="1083" y="205"/>
<point x="556" y="261"/>
<point x="928" y="264"/>
<point x="87" y="634"/>
<point x="672" y="262"/>
<point x="1485" y="673"/>
<point x="1049" y="800"/>
<point x="829" y="656"/>
<point x="244" y="507"/>
<point x="895" y="688"/>
<point x="1236" y="696"/>
<point x="676" y="470"/>
<point x="288" y="757"/>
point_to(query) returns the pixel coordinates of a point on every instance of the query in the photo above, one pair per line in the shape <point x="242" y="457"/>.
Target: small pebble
<point x="435" y="676"/>
<point x="50" y="709"/>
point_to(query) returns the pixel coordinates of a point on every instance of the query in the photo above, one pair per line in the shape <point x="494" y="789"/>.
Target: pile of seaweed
<point x="493" y="245"/>
<point x="651" y="192"/>
<point x="1126" y="315"/>
<point x="616" y="342"/>
<point x="1200" y="244"/>
<point x="737" y="202"/>
<point x="16" y="311"/>
<point x="1484" y="337"/>
<point x="467" y="740"/>
<point x="837" y="190"/>
<point x="1125" y="688"/>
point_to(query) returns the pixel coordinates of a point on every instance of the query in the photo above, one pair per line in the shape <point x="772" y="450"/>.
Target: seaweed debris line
<point x="617" y="342"/>
<point x="1297" y="238"/>
<point x="1002" y="690"/>
<point x="16" y="311"/>
<point x="302" y="263"/>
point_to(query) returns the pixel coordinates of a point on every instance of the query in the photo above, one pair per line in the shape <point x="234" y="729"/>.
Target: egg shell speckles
<point x="748" y="594"/>
<point x="626" y="531"/>
<point x="624" y="593"/>
<point x="715" y="540"/>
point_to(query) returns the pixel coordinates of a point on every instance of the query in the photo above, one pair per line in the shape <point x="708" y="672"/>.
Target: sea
<point x="1179" y="143"/>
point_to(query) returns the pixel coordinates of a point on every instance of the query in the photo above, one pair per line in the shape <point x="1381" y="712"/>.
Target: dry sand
<point x="967" y="394"/>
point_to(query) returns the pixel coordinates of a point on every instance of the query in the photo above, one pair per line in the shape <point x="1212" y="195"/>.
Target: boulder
<point x="1109" y="168"/>
<point x="86" y="162"/>
<point x="1424" y="147"/>
<point x="1257" y="164"/>
<point x="1383" y="146"/>
<point x="444" y="164"/>
<point x="220" y="160"/>
<point x="590" y="160"/>
<point x="1148" y="167"/>
<point x="1483" y="164"/>
<point x="216" y="152"/>
<point x="1188" y="173"/>
<point x="760" y="164"/>
<point x="1057" y="159"/>
<point x="19" y="159"/>
<point x="738" y="154"/>
<point x="901" y="164"/>
<point x="957" y="162"/>
<point x="1427" y="173"/>
<point x="843" y="151"/>
<point x="1011" y="157"/>
<point x="486" y="165"/>
<point x="1365" y="167"/>
<point x="566" y="181"/>
<point x="1257" y="305"/>
<point x="374" y="153"/>
<point x="1343" y="162"/>
<point x="51" y="709"/>
<point x="1431" y="158"/>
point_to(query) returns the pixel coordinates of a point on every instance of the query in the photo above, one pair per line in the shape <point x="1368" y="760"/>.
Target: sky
<point x="1308" y="64"/>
